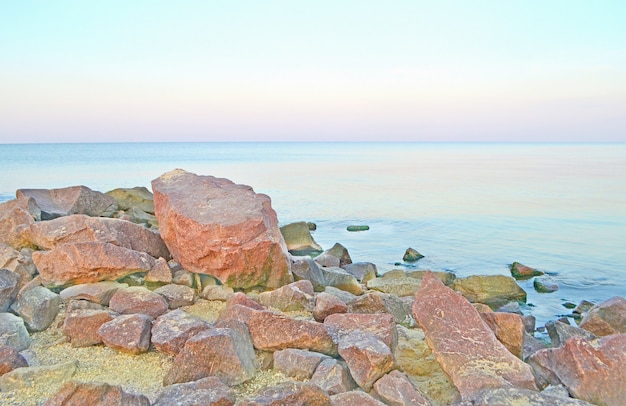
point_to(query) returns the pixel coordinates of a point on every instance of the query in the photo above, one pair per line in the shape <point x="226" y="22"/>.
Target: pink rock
<point x="171" y="331"/>
<point x="327" y="304"/>
<point x="293" y="297"/>
<point x="70" y="200"/>
<point x="14" y="225"/>
<point x="368" y="358"/>
<point x="98" y="292"/>
<point x="465" y="347"/>
<point x="395" y="389"/>
<point x="216" y="227"/>
<point x="354" y="397"/>
<point x="382" y="326"/>
<point x="209" y="391"/>
<point x="509" y="330"/>
<point x="81" y="326"/>
<point x="137" y="299"/>
<point x="127" y="333"/>
<point x="239" y="307"/>
<point x="333" y="377"/>
<point x="377" y="302"/>
<point x="10" y="359"/>
<point x="161" y="272"/>
<point x="95" y="394"/>
<point x="608" y="317"/>
<point x="177" y="295"/>
<point x="298" y="364"/>
<point x="289" y="394"/>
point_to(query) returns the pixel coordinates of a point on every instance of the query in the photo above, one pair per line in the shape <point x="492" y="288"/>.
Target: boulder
<point x="177" y="295"/>
<point x="127" y="333"/>
<point x="27" y="377"/>
<point x="463" y="344"/>
<point x="95" y="394"/>
<point x="333" y="377"/>
<point x="509" y="330"/>
<point x="72" y="264"/>
<point x="298" y="364"/>
<point x="368" y="357"/>
<point x="340" y="279"/>
<point x="9" y="286"/>
<point x="70" y="200"/>
<point x="531" y="345"/>
<point x="81" y="326"/>
<point x="289" y="394"/>
<point x="304" y="268"/>
<point x="342" y="295"/>
<point x="299" y="240"/>
<point x="138" y="299"/>
<point x="493" y="290"/>
<point x="396" y="389"/>
<point x="404" y="286"/>
<point x="293" y="297"/>
<point x="379" y="303"/>
<point x="130" y="198"/>
<point x="213" y="226"/>
<point x="171" y="331"/>
<point x="38" y="307"/>
<point x="14" y="226"/>
<point x="520" y="271"/>
<point x="362" y="271"/>
<point x="354" y="397"/>
<point x="608" y="317"/>
<point x="239" y="307"/>
<point x="97" y="292"/>
<point x="13" y="332"/>
<point x="10" y="359"/>
<point x="382" y="326"/>
<point x="560" y="332"/>
<point x="516" y="396"/>
<point x="19" y="262"/>
<point x="327" y="304"/>
<point x="411" y="255"/>
<point x="447" y="278"/>
<point x="209" y="391"/>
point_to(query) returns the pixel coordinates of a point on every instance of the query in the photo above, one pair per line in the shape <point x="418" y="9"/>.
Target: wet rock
<point x="520" y="271"/>
<point x="127" y="333"/>
<point x="333" y="377"/>
<point x="404" y="286"/>
<point x="493" y="290"/>
<point x="10" y="359"/>
<point x="293" y="297"/>
<point x="298" y="364"/>
<point x="340" y="279"/>
<point x="95" y="394"/>
<point x="171" y="331"/>
<point x="362" y="271"/>
<point x="13" y="332"/>
<point x="217" y="292"/>
<point x="516" y="396"/>
<point x="304" y="268"/>
<point x="289" y="394"/>
<point x="327" y="304"/>
<point x="299" y="240"/>
<point x="177" y="295"/>
<point x="380" y="303"/>
<point x="545" y="285"/>
<point x="383" y="326"/>
<point x="38" y="307"/>
<point x="160" y="272"/>
<point x="98" y="292"/>
<point x="354" y="397"/>
<point x="213" y="226"/>
<point x="560" y="332"/>
<point x="583" y="307"/>
<point x="396" y="389"/>
<point x="72" y="264"/>
<point x="70" y="200"/>
<point x="358" y="227"/>
<point x="209" y="391"/>
<point x="509" y="330"/>
<point x="28" y="377"/>
<point x="9" y="286"/>
<point x="447" y="278"/>
<point x="368" y="357"/>
<point x="129" y="198"/>
<point x="463" y="344"/>
<point x="608" y="317"/>
<point x="81" y="326"/>
<point x="137" y="299"/>
<point x="411" y="255"/>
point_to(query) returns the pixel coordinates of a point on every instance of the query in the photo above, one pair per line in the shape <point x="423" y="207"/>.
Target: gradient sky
<point x="150" y="70"/>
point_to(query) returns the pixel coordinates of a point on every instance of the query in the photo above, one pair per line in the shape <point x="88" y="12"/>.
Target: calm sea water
<point x="469" y="208"/>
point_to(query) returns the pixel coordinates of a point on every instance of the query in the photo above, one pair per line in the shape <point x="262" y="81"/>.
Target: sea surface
<point x="470" y="208"/>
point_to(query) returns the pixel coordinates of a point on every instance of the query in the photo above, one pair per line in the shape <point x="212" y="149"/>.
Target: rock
<point x="362" y="271"/>
<point x="333" y="377"/>
<point x="560" y="332"/>
<point x="299" y="240"/>
<point x="137" y="299"/>
<point x="376" y="303"/>
<point x="411" y="255"/>
<point x="9" y="286"/>
<point x="137" y="197"/>
<point x="368" y="357"/>
<point x="354" y="397"/>
<point x="226" y="353"/>
<point x="405" y="286"/>
<point x="27" y="377"/>
<point x="358" y="228"/>
<point x="98" y="292"/>
<point x="289" y="394"/>
<point x="171" y="331"/>
<point x="127" y="333"/>
<point x="511" y="307"/>
<point x="327" y="260"/>
<point x="209" y="391"/>
<point x="383" y="326"/>
<point x="531" y="345"/>
<point x="608" y="317"/>
<point x="340" y="279"/>
<point x="239" y="307"/>
<point x="493" y="290"/>
<point x="342" y="295"/>
<point x="396" y="389"/>
<point x="10" y="359"/>
<point x="583" y="307"/>
<point x="327" y="304"/>
<point x="447" y="278"/>
<point x="38" y="307"/>
<point x="516" y="396"/>
<point x="545" y="285"/>
<point x="529" y="323"/>
<point x="95" y="394"/>
<point x="160" y="273"/>
<point x="304" y="268"/>
<point x="463" y="344"/>
<point x="14" y="225"/>
<point x="72" y="264"/>
<point x="177" y="295"/>
<point x="81" y="326"/>
<point x="509" y="330"/>
<point x="213" y="226"/>
<point x="293" y="297"/>
<point x="79" y="304"/>
<point x="13" y="332"/>
<point x="337" y="251"/>
<point x="217" y="292"/>
<point x="298" y="364"/>
<point x="80" y="228"/>
<point x="19" y="262"/>
<point x="70" y="200"/>
<point x="519" y="271"/>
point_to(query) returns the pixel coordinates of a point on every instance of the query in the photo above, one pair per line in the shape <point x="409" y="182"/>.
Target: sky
<point x="295" y="70"/>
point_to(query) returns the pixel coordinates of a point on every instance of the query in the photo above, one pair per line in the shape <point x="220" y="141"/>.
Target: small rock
<point x="160" y="272"/>
<point x="304" y="268"/>
<point x="27" y="377"/>
<point x="217" y="292"/>
<point x="13" y="332"/>
<point x="10" y="359"/>
<point x="138" y="299"/>
<point x="327" y="304"/>
<point x="15" y="220"/>
<point x="358" y="228"/>
<point x="517" y="396"/>
<point x="298" y="364"/>
<point x="81" y="326"/>
<point x="383" y="326"/>
<point x="354" y="397"/>
<point x="560" y="332"/>
<point x="368" y="357"/>
<point x="362" y="271"/>
<point x="340" y="294"/>
<point x="545" y="285"/>
<point x="183" y="277"/>
<point x="411" y="255"/>
<point x="531" y="345"/>
<point x="511" y="307"/>
<point x="128" y="198"/>
<point x="177" y="295"/>
<point x="209" y="391"/>
<point x="333" y="377"/>
<point x="327" y="260"/>
<point x="447" y="278"/>
<point x="9" y="286"/>
<point x="519" y="271"/>
<point x="98" y="292"/>
<point x="289" y="394"/>
<point x="38" y="307"/>
<point x="509" y="330"/>
<point x="95" y="394"/>
<point x="396" y="389"/>
<point x="127" y="333"/>
<point x="171" y="330"/>
<point x="340" y="279"/>
<point x="292" y="297"/>
<point x="608" y="317"/>
<point x="583" y="307"/>
<point x="299" y="239"/>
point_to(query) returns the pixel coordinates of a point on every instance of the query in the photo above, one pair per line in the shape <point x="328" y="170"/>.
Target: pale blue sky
<point x="312" y="70"/>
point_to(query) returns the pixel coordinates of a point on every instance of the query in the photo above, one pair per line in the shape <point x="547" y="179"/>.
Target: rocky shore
<point x="191" y="294"/>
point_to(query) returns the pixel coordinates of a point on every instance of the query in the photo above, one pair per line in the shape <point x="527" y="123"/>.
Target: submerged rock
<point x="411" y="255"/>
<point x="520" y="271"/>
<point x="545" y="285"/>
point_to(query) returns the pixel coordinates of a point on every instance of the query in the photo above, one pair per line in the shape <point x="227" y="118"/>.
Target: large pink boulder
<point x="214" y="226"/>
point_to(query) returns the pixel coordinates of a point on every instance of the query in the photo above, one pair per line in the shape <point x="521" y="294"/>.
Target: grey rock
<point x="333" y="377"/>
<point x="38" y="307"/>
<point x="171" y="331"/>
<point x="9" y="286"/>
<point x="354" y="397"/>
<point x="298" y="364"/>
<point x="177" y="295"/>
<point x="97" y="292"/>
<point x="362" y="271"/>
<point x="516" y="396"/>
<point x="304" y="268"/>
<point x="13" y="332"/>
<point x="411" y="255"/>
<point x="560" y="332"/>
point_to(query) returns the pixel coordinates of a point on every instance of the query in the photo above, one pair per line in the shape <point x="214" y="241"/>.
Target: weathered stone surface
<point x="340" y="252"/>
<point x="327" y="304"/>
<point x="464" y="345"/>
<point x="368" y="357"/>
<point x="239" y="307"/>
<point x="362" y="271"/>
<point x="95" y="394"/>
<point x="70" y="200"/>
<point x="38" y="307"/>
<point x="411" y="255"/>
<point x="304" y="268"/>
<point x="9" y="286"/>
<point x="405" y="286"/>
<point x="20" y="262"/>
<point x="608" y="317"/>
<point x="447" y="278"/>
<point x="382" y="326"/>
<point x="127" y="333"/>
<point x="509" y="330"/>
<point x="217" y="292"/>
<point x="342" y="295"/>
<point x="395" y="389"/>
<point x="13" y="332"/>
<point x="209" y="391"/>
<point x="81" y="326"/>
<point x="216" y="227"/>
<point x="275" y="332"/>
<point x="531" y="346"/>
<point x="295" y="296"/>
<point x="72" y="264"/>
<point x="289" y="394"/>
<point x="545" y="285"/>
<point x="333" y="377"/>
<point x="129" y="198"/>
<point x="299" y="240"/>
<point x="80" y="304"/>
<point x="171" y="331"/>
<point x="516" y="397"/>
<point x="14" y="225"/>
<point x="560" y="332"/>
<point x="160" y="272"/>
<point x="222" y="352"/>
<point x="177" y="295"/>
<point x="355" y="397"/>
<point x="80" y="228"/>
<point x="98" y="292"/>
<point x="376" y="303"/>
<point x="327" y="260"/>
<point x="520" y="271"/>
<point x="493" y="290"/>
<point x="10" y="359"/>
<point x="298" y="364"/>
<point x="592" y="372"/>
<point x="340" y="279"/>
<point x="27" y="377"/>
<point x="137" y="299"/>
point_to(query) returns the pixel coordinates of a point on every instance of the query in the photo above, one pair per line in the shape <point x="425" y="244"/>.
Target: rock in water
<point x="214" y="226"/>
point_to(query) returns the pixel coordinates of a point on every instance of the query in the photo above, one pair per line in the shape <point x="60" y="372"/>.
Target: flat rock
<point x="70" y="200"/>
<point x="27" y="377"/>
<point x="177" y="295"/>
<point x="81" y="326"/>
<point x="560" y="332"/>
<point x="293" y="297"/>
<point x="171" y="330"/>
<point x="608" y="317"/>
<point x="95" y="394"/>
<point x="396" y="389"/>
<point x="38" y="307"/>
<point x="368" y="357"/>
<point x="379" y="303"/>
<point x="97" y="292"/>
<point x="520" y="271"/>
<point x="209" y="391"/>
<point x="355" y="397"/>
<point x="516" y="397"/>
<point x="333" y="377"/>
<point x="239" y="307"/>
<point x="127" y="333"/>
<point x="10" y="359"/>
<point x="138" y="299"/>
<point x="213" y="226"/>
<point x="509" y="330"/>
<point x="299" y="240"/>
<point x="493" y="290"/>
<point x="405" y="286"/>
<point x="13" y="332"/>
<point x="9" y="286"/>
<point x="289" y="394"/>
<point x="327" y="304"/>
<point x="463" y="344"/>
<point x="382" y="326"/>
<point x="362" y="271"/>
<point x="298" y="364"/>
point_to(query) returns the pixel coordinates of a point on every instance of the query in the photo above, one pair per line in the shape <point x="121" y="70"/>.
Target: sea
<point x="469" y="208"/>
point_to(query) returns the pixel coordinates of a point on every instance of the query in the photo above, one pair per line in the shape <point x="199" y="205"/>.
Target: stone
<point x="70" y="200"/>
<point x="38" y="307"/>
<point x="531" y="345"/>
<point x="492" y="290"/>
<point x="48" y="235"/>
<point x="583" y="307"/>
<point x="463" y="344"/>
<point x="509" y="330"/>
<point x="27" y="377"/>
<point x="274" y="332"/>
<point x="81" y="326"/>
<point x="138" y="299"/>
<point x="340" y="252"/>
<point x="217" y="292"/>
<point x="13" y="332"/>
<point x="10" y="359"/>
<point x="19" y="262"/>
<point x="327" y="304"/>
<point x="160" y="272"/>
<point x="396" y="389"/>
<point x="383" y="326"/>
<point x="289" y="394"/>
<point x="239" y="307"/>
<point x="9" y="286"/>
<point x="447" y="278"/>
<point x="226" y="353"/>
<point x="298" y="364"/>
<point x="521" y="272"/>
<point x="209" y="391"/>
<point x="358" y="227"/>
<point x="304" y="268"/>
<point x="354" y="397"/>
<point x="27" y="204"/>
<point x="405" y="286"/>
<point x="362" y="271"/>
<point x="14" y="226"/>
<point x="560" y="332"/>
<point x="177" y="295"/>
<point x="127" y="333"/>
<point x="171" y="330"/>
<point x="379" y="303"/>
<point x="97" y="292"/>
<point x="342" y="295"/>
<point x="545" y="285"/>
<point x="340" y="279"/>
<point x="516" y="396"/>
<point x="72" y="264"/>
<point x="333" y="377"/>
<point x="368" y="357"/>
<point x="213" y="226"/>
<point x="138" y="197"/>
<point x="411" y="255"/>
<point x="608" y="317"/>
<point x="80" y="304"/>
<point x="95" y="394"/>
<point x="299" y="240"/>
<point x="293" y="297"/>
